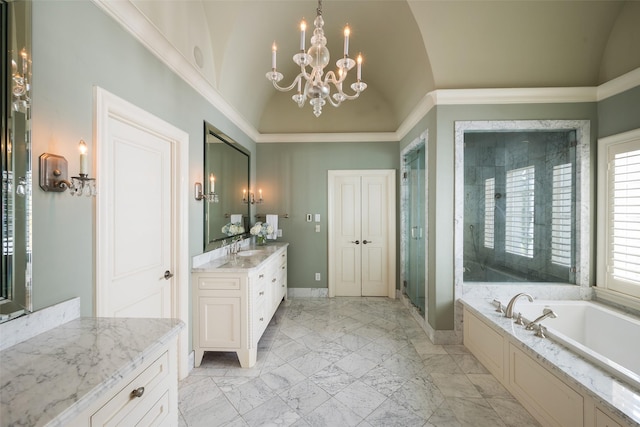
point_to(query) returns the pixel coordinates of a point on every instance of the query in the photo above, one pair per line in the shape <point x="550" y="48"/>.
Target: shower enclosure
<point x="415" y="271"/>
<point x="520" y="206"/>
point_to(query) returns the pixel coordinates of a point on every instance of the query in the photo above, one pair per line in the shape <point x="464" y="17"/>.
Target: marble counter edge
<point x="85" y="402"/>
<point x="254" y="262"/>
<point x="596" y="382"/>
<point x="126" y="360"/>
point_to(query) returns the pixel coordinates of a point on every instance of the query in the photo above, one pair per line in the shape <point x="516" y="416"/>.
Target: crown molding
<point x="273" y="138"/>
<point x="132" y="20"/>
<point x="618" y="85"/>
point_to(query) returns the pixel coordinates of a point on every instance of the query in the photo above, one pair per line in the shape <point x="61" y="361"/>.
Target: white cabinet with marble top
<point x="234" y="299"/>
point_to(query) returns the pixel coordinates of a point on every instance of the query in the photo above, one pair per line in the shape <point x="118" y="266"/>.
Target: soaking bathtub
<point x="584" y="372"/>
<point x="607" y="338"/>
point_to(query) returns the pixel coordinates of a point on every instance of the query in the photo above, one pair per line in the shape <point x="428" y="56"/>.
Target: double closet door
<point x="362" y="215"/>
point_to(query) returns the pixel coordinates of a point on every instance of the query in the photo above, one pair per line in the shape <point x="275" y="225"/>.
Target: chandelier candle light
<point x="317" y="89"/>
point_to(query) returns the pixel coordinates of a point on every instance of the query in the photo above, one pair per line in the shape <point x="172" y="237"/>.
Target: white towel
<point x="236" y="218"/>
<point x="273" y="221"/>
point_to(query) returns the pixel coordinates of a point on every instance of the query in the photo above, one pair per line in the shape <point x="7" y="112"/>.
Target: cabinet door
<point x="220" y="322"/>
<point x="550" y="400"/>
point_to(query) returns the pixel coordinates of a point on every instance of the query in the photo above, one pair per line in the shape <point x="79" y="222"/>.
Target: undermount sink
<point x="251" y="252"/>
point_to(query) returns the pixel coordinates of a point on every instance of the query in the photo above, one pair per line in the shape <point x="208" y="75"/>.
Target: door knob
<point x="364" y="242"/>
<point x="168" y="275"/>
<point x="357" y="242"/>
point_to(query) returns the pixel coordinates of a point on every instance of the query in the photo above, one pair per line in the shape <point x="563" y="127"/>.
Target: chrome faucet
<point x="512" y="303"/>
<point x="547" y="312"/>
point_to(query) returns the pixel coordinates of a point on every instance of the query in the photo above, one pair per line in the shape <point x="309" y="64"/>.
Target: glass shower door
<point x="416" y="283"/>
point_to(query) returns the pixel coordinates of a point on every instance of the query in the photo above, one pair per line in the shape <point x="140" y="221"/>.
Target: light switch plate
<point x="279" y="232"/>
<point x="317" y="217"/>
<point x="317" y="228"/>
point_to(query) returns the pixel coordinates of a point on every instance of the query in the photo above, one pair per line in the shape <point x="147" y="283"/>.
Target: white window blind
<point x="561" y="214"/>
<point x="624" y="216"/>
<point x="519" y="211"/>
<point x="489" y="211"/>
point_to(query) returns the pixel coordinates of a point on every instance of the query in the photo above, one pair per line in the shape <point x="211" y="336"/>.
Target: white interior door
<point x="347" y="254"/>
<point x="362" y="233"/>
<point x="375" y="235"/>
<point x="142" y="257"/>
<point x="139" y="248"/>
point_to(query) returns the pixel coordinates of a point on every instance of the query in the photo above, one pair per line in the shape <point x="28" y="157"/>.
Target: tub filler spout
<point x="512" y="303"/>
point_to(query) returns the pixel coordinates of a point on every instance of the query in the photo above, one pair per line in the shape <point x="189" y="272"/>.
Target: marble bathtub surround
<point x="51" y="378"/>
<point x="347" y="362"/>
<point x="617" y="396"/>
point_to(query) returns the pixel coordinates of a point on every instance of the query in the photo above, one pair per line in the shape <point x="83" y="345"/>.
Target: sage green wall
<point x="441" y="175"/>
<point x="76" y="47"/>
<point x="619" y="113"/>
<point x="293" y="177"/>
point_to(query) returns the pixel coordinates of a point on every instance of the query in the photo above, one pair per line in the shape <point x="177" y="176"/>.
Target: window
<point x="624" y="216"/>
<point x="519" y="212"/>
<point x="561" y="215"/>
<point x="489" y="211"/>
<point x="619" y="201"/>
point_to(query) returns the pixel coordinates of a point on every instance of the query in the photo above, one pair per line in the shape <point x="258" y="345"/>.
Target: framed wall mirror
<point x="226" y="170"/>
<point x="15" y="141"/>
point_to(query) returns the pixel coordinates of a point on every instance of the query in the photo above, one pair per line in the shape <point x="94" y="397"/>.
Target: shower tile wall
<point x="491" y="155"/>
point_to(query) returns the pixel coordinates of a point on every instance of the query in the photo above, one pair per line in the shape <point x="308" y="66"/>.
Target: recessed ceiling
<point x="410" y="48"/>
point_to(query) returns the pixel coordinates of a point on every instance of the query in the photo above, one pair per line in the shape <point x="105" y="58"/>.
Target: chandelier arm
<point x="287" y="88"/>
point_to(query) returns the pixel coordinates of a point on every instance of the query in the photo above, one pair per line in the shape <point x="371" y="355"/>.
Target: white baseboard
<point x="307" y="293"/>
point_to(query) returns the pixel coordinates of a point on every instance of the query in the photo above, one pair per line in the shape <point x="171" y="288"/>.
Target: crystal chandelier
<point x="316" y="88"/>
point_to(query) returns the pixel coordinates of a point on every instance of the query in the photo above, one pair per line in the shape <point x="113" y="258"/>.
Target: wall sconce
<point x="251" y="197"/>
<point x="211" y="196"/>
<point x="53" y="174"/>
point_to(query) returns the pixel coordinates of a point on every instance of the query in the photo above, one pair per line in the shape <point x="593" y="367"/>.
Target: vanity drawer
<point x="260" y="321"/>
<point x="152" y="405"/>
<point x="219" y="282"/>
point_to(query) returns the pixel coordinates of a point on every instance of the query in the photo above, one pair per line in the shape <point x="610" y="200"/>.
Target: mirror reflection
<point x="15" y="292"/>
<point x="519" y="206"/>
<point x="226" y="171"/>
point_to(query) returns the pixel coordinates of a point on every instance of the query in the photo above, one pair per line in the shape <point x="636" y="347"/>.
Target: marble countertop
<point x="619" y="397"/>
<point x="249" y="258"/>
<point x="51" y="378"/>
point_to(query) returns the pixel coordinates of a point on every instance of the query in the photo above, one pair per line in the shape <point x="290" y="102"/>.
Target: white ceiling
<point x="410" y="48"/>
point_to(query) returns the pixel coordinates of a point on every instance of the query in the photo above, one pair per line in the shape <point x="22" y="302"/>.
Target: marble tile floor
<point x="347" y="362"/>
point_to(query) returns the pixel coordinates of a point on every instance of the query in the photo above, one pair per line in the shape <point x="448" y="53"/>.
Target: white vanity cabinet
<point x="234" y="301"/>
<point x="91" y="372"/>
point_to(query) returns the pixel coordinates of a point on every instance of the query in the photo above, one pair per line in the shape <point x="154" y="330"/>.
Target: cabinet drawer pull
<point x="261" y="276"/>
<point x="138" y="392"/>
<point x="283" y="267"/>
<point x="262" y="319"/>
<point x="261" y="293"/>
<point x="273" y="280"/>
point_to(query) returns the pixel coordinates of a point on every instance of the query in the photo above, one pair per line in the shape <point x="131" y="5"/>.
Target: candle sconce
<point x="251" y="197"/>
<point x="53" y="175"/>
<point x="211" y="196"/>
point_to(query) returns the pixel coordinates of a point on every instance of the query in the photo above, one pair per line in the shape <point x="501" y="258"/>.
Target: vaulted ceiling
<point x="410" y="48"/>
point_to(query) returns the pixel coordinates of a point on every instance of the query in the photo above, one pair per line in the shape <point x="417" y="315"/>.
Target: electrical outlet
<point x="317" y="228"/>
<point x="279" y="232"/>
<point x="317" y="277"/>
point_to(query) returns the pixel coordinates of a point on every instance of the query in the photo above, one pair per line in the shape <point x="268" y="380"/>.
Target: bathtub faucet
<point x="512" y="303"/>
<point x="547" y="312"/>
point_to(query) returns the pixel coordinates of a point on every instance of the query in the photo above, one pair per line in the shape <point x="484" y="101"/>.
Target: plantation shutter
<point x="489" y="212"/>
<point x="561" y="215"/>
<point x="623" y="215"/>
<point x="520" y="211"/>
